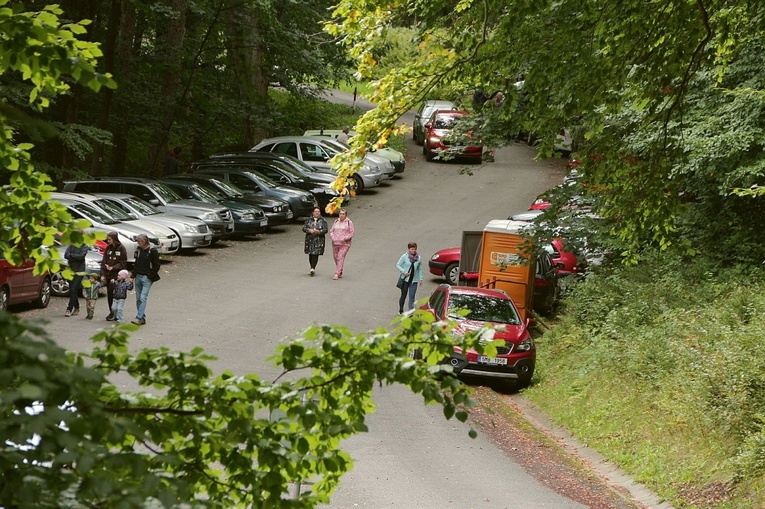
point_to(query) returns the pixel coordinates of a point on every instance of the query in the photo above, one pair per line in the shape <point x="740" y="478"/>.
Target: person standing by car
<point x="115" y="259"/>
<point x="75" y="256"/>
<point x="315" y="229"/>
<point x="145" y="273"/>
<point x="343" y="136"/>
<point x="341" y="234"/>
<point x="410" y="274"/>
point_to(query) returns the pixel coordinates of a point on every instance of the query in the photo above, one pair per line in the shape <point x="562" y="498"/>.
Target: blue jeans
<point x="411" y="289"/>
<point x="117" y="306"/>
<point x="142" y="285"/>
<point x="75" y="287"/>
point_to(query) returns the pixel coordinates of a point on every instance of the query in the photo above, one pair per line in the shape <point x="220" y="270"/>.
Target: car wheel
<point x="44" y="298"/>
<point x="418" y="141"/>
<point x="428" y="155"/>
<point x="3" y="299"/>
<point x="359" y="183"/>
<point x="59" y="285"/>
<point x="452" y="274"/>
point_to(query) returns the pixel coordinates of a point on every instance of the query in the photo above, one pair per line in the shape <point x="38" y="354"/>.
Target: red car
<point x="445" y="264"/>
<point x="565" y="261"/>
<point x="515" y="361"/>
<point x="436" y="139"/>
<point x="20" y="284"/>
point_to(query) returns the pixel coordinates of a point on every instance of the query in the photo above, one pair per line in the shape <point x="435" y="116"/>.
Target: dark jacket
<point x="75" y="256"/>
<point x="314" y="243"/>
<point x="114" y="256"/>
<point x="120" y="289"/>
<point x="146" y="262"/>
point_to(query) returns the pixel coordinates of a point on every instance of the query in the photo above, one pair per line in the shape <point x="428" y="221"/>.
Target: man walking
<point x="75" y="256"/>
<point x="145" y="272"/>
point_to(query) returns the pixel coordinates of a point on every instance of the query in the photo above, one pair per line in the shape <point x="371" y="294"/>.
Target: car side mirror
<point x="428" y="125"/>
<point x="530" y="322"/>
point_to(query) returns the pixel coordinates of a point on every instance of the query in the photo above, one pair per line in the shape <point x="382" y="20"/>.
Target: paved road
<point x="239" y="299"/>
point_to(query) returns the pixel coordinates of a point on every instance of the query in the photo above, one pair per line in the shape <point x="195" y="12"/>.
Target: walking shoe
<point x="110" y="317"/>
<point x="75" y="311"/>
<point x="139" y="321"/>
<point x="335" y="277"/>
<point x="89" y="317"/>
<point x="312" y="272"/>
<point x="68" y="312"/>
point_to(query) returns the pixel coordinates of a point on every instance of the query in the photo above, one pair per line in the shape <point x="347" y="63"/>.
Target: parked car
<point x="60" y="285"/>
<point x="445" y="263"/>
<point x="394" y="156"/>
<point x="301" y="202"/>
<point x="167" y="238"/>
<point x="438" y="131"/>
<point x="277" y="211"/>
<point x="515" y="361"/>
<point x="20" y="284"/>
<point x="100" y="220"/>
<point x="566" y="262"/>
<point x="192" y="233"/>
<point x="371" y="158"/>
<point x="318" y="184"/>
<point x="218" y="219"/>
<point x="315" y="153"/>
<point x="423" y="114"/>
<point x="248" y="219"/>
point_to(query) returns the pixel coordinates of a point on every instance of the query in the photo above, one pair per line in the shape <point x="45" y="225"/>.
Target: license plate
<point x="264" y="222"/>
<point x="496" y="361"/>
<point x="173" y="244"/>
<point x="289" y="215"/>
<point x="208" y="237"/>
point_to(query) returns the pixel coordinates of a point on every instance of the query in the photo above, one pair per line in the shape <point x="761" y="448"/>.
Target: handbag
<point x="400" y="283"/>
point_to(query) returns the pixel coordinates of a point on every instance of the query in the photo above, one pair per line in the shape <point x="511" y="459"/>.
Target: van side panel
<point x="507" y="257"/>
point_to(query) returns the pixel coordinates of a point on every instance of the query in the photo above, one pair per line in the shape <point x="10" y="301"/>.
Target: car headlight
<point x="306" y="199"/>
<point x="190" y="228"/>
<point x="209" y="216"/>
<point x="525" y="345"/>
<point x="248" y="217"/>
<point x="434" y="257"/>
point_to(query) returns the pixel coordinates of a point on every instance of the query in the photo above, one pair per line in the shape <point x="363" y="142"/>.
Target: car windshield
<point x="285" y="167"/>
<point x="445" y="121"/>
<point x="92" y="214"/>
<point x="483" y="308"/>
<point x="267" y="182"/>
<point x="335" y="145"/>
<point x="204" y="194"/>
<point x="114" y="210"/>
<point x="143" y="208"/>
<point x="298" y="165"/>
<point x="228" y="188"/>
<point x="167" y="194"/>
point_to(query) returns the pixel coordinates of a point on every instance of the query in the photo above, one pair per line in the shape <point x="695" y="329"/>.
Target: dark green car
<point x="248" y="220"/>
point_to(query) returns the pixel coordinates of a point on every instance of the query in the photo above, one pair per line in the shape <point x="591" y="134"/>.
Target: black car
<point x="254" y="159"/>
<point x="252" y="182"/>
<point x="277" y="210"/>
<point x="318" y="184"/>
<point x="248" y="219"/>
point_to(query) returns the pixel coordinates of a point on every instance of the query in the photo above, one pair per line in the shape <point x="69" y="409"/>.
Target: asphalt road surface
<point x="239" y="299"/>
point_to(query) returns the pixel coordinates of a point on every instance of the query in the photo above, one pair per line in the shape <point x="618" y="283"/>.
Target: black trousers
<point x="313" y="260"/>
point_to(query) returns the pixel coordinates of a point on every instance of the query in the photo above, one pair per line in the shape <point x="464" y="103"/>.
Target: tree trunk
<point x="170" y="52"/>
<point x="124" y="50"/>
<point x="245" y="50"/>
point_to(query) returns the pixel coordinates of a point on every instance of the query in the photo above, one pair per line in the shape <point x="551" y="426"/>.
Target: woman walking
<point x="341" y="234"/>
<point x="315" y="229"/>
<point x="410" y="273"/>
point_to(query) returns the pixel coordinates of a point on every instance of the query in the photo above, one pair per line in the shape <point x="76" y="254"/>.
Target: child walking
<point x="91" y="295"/>
<point x="121" y="286"/>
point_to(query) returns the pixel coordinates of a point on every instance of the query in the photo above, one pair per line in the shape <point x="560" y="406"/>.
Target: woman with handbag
<point x="315" y="229"/>
<point x="410" y="274"/>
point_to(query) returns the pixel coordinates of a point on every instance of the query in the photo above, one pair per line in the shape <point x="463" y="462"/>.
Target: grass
<point x="662" y="370"/>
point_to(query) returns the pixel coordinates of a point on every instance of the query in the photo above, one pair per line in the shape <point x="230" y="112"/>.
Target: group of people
<point x="115" y="277"/>
<point x="409" y="265"/>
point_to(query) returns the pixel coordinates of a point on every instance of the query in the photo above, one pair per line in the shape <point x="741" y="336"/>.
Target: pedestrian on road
<point x="410" y="274"/>
<point x="122" y="285"/>
<point x="75" y="256"/>
<point x="115" y="259"/>
<point x="91" y="295"/>
<point x="341" y="234"/>
<point x="343" y="136"/>
<point x="145" y="273"/>
<point x="315" y="229"/>
<point x="171" y="162"/>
